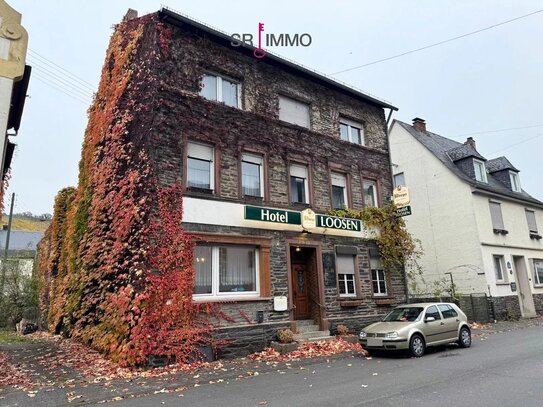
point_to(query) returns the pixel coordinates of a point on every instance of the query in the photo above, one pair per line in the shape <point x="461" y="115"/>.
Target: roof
<point x="178" y="19"/>
<point x="20" y="239"/>
<point x="441" y="146"/>
<point x="499" y="164"/>
<point x="464" y="151"/>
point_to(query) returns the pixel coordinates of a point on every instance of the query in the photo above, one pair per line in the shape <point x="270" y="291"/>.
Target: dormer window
<point x="480" y="170"/>
<point x="515" y="181"/>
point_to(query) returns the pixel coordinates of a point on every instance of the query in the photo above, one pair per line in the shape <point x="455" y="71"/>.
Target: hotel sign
<point x="307" y="219"/>
<point x="272" y="215"/>
<point x="333" y="222"/>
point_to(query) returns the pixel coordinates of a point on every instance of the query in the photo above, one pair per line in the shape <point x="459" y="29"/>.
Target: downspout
<point x="406" y="287"/>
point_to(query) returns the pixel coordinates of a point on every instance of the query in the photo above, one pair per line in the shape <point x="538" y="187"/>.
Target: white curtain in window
<point x="237" y="271"/>
<point x="202" y="268"/>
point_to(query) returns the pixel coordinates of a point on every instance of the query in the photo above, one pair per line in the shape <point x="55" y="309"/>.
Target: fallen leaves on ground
<point x="13" y="375"/>
<point x="309" y="350"/>
<point x="478" y="325"/>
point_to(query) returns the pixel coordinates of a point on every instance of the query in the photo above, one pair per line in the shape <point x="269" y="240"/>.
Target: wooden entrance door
<point x="300" y="284"/>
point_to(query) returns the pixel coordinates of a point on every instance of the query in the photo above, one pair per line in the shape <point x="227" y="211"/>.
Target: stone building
<point x="266" y="149"/>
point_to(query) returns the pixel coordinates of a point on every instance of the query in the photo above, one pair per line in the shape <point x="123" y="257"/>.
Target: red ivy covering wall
<point x="115" y="266"/>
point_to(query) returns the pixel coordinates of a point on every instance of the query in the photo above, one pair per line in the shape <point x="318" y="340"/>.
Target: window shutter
<point x="298" y="171"/>
<point x="339" y="180"/>
<point x="530" y="217"/>
<point x="292" y="111"/>
<point x="345" y="264"/>
<point x="200" y="151"/>
<point x="496" y="215"/>
<point x="250" y="158"/>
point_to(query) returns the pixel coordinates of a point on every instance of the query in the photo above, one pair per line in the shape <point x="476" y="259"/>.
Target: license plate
<point x="375" y="342"/>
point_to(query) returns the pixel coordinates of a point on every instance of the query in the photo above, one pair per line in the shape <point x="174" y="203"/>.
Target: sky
<point x="475" y="86"/>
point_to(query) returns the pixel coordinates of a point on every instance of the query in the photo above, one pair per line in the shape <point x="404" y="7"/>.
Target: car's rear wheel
<point x="464" y="338"/>
<point x="417" y="345"/>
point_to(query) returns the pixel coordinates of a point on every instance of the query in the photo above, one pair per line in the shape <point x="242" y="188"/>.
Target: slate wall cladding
<point x="538" y="302"/>
<point x="507" y="307"/>
<point x="180" y="115"/>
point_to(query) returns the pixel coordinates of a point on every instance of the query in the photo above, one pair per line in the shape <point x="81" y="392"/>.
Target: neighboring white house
<point x="472" y="217"/>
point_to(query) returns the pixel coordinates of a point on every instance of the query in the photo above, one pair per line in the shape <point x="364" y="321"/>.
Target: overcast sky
<point x="489" y="81"/>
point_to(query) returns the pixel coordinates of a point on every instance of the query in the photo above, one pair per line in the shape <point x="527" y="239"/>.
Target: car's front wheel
<point x="417" y="345"/>
<point x="464" y="338"/>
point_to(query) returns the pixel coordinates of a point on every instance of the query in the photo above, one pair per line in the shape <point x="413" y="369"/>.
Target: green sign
<point x="404" y="211"/>
<point x="272" y="215"/>
<point x="333" y="222"/>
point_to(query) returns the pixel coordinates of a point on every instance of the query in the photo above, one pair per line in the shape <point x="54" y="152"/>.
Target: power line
<point x="74" y="76"/>
<point x="44" y="80"/>
<point x="62" y="79"/>
<point x="515" y="144"/>
<point x="62" y="87"/>
<point x="498" y="130"/>
<point x="438" y="43"/>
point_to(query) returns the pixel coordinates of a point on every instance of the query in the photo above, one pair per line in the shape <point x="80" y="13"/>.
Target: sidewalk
<point x="52" y="371"/>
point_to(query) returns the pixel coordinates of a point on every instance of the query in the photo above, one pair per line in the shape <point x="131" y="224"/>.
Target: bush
<point x="19" y="299"/>
<point x="285" y="336"/>
<point x="342" y="330"/>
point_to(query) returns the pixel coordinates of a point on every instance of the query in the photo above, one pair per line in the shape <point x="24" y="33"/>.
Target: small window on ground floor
<point x="538" y="272"/>
<point x="346" y="272"/>
<point x="499" y="268"/>
<point x="226" y="270"/>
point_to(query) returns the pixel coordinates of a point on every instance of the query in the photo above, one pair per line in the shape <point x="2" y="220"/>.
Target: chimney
<point x="419" y="124"/>
<point x="470" y="142"/>
<point x="130" y="15"/>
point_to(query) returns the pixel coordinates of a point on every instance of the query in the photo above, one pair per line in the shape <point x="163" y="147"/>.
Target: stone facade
<point x="506" y="307"/>
<point x="181" y="116"/>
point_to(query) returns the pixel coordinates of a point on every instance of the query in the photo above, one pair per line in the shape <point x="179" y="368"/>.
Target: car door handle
<point x="443" y="323"/>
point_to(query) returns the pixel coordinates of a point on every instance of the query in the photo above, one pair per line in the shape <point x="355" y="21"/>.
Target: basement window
<point x="220" y="89"/>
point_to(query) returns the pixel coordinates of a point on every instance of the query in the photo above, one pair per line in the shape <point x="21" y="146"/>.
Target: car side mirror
<point x="429" y="319"/>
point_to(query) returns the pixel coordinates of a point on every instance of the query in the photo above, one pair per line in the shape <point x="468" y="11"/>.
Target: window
<point x="200" y="166"/>
<point x="447" y="311"/>
<point x="499" y="268"/>
<point x="351" y="131"/>
<point x="399" y="180"/>
<point x="299" y="191"/>
<point x="370" y="193"/>
<point x="378" y="276"/>
<point x="538" y="272"/>
<point x="480" y="171"/>
<point x="217" y="88"/>
<point x="339" y="190"/>
<point x="346" y="274"/>
<point x="226" y="270"/>
<point x="515" y="182"/>
<point x="530" y="218"/>
<point x="293" y="111"/>
<point x="252" y="176"/>
<point x="432" y="312"/>
<point x="496" y="216"/>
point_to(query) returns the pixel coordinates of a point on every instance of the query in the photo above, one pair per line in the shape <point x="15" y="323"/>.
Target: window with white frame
<point x="252" y="175"/>
<point x="200" y="169"/>
<point x="538" y="272"/>
<point x="515" y="181"/>
<point x="221" y="89"/>
<point x="294" y="111"/>
<point x="399" y="180"/>
<point x="496" y="215"/>
<point x="339" y="190"/>
<point x="530" y="218"/>
<point x="226" y="270"/>
<point x="351" y="131"/>
<point x="299" y="191"/>
<point x="378" y="275"/>
<point x="480" y="170"/>
<point x="499" y="268"/>
<point x="370" y="193"/>
<point x="346" y="272"/>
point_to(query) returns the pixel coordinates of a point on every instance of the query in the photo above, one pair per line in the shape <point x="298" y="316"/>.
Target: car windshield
<point x="403" y="314"/>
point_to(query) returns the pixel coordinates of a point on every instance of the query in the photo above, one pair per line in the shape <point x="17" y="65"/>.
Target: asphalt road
<point x="504" y="369"/>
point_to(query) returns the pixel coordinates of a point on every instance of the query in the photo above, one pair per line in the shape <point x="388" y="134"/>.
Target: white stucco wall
<point x="443" y="215"/>
<point x="516" y="243"/>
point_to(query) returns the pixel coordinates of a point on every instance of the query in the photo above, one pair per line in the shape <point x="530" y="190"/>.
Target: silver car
<point x="418" y="326"/>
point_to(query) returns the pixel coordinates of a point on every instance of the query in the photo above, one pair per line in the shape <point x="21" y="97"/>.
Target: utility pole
<point x="4" y="263"/>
